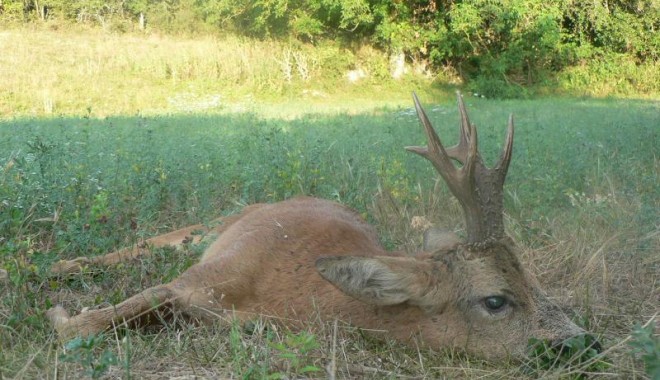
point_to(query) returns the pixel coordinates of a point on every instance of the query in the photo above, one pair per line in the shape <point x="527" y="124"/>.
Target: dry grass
<point x="603" y="274"/>
<point x="123" y="74"/>
<point x="599" y="273"/>
<point x="93" y="73"/>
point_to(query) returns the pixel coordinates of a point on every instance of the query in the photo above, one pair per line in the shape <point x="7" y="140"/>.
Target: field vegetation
<point x="582" y="201"/>
<point x="505" y="49"/>
<point x="110" y="133"/>
<point x="87" y="72"/>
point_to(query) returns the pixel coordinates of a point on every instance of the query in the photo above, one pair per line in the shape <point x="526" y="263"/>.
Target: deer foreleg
<point x="96" y="321"/>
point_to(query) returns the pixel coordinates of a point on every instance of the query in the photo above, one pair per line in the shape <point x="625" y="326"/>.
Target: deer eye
<point x="495" y="303"/>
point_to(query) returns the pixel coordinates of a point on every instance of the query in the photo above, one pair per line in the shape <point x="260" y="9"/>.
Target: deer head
<point x="473" y="295"/>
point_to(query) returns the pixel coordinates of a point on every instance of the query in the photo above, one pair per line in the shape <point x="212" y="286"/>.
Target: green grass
<point x="582" y="200"/>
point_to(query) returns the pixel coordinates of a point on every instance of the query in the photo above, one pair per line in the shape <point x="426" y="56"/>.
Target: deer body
<point x="308" y="258"/>
<point x="265" y="262"/>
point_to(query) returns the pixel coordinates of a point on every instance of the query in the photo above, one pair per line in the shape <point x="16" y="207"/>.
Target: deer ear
<point x="437" y="239"/>
<point x="377" y="280"/>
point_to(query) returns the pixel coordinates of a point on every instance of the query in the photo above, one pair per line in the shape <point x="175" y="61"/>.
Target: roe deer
<point x="308" y="256"/>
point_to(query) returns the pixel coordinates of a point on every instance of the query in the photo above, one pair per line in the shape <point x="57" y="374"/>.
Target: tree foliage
<point x="498" y="45"/>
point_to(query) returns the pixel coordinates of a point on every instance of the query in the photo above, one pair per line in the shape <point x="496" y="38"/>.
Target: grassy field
<point x="106" y="139"/>
<point x="88" y="72"/>
<point x="582" y="200"/>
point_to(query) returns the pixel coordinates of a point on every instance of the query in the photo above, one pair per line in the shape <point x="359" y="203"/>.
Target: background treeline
<point x="498" y="47"/>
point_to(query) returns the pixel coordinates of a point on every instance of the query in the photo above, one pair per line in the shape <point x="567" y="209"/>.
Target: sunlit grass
<point x="98" y="74"/>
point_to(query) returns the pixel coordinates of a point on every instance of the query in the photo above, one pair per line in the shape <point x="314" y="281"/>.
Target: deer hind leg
<point x="175" y="239"/>
<point x="96" y="321"/>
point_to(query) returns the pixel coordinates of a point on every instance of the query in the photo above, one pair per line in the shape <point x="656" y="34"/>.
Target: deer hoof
<point x="58" y="317"/>
<point x="64" y="325"/>
<point x="64" y="267"/>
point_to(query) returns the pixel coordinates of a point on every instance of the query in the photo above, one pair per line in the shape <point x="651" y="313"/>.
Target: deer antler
<point x="477" y="188"/>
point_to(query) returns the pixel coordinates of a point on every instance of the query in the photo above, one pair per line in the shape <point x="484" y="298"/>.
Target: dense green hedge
<point x="500" y="47"/>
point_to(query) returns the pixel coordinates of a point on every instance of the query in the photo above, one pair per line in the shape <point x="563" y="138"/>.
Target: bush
<point x="647" y="345"/>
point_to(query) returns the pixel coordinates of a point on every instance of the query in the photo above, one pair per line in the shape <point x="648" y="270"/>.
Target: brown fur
<point x="308" y="256"/>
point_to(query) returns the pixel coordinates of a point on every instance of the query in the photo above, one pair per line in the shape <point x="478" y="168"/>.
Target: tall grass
<point x="89" y="72"/>
<point x="582" y="201"/>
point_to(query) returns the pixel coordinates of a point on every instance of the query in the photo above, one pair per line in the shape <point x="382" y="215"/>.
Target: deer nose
<point x="577" y="343"/>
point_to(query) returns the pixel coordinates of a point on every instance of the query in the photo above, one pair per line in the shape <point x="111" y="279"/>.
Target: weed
<point x="258" y="352"/>
<point x="248" y="359"/>
<point x="647" y="345"/>
<point x="577" y="352"/>
<point x="295" y="350"/>
<point x="83" y="351"/>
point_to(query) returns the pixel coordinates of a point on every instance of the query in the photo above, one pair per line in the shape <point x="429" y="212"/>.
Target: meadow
<point x="78" y="178"/>
<point x="93" y="73"/>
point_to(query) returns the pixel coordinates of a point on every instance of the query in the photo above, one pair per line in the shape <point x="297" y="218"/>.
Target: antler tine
<point x="460" y="151"/>
<point x="434" y="152"/>
<point x="477" y="188"/>
<point x="502" y="165"/>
